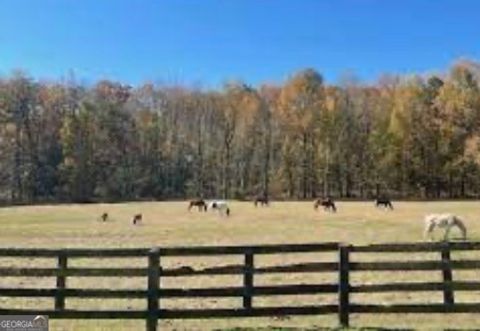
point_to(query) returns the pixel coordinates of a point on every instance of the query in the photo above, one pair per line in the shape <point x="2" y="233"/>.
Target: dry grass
<point x="170" y="224"/>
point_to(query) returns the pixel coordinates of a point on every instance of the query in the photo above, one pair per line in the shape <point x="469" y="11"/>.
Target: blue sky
<point x="210" y="41"/>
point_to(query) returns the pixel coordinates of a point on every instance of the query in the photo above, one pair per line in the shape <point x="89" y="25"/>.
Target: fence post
<point x="61" y="281"/>
<point x="248" y="280"/>
<point x="343" y="286"/>
<point x="448" y="298"/>
<point x="153" y="288"/>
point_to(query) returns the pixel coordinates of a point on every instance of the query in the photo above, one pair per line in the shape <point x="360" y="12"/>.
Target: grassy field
<point x="170" y="224"/>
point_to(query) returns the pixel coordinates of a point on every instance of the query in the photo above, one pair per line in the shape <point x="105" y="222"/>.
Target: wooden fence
<point x="155" y="295"/>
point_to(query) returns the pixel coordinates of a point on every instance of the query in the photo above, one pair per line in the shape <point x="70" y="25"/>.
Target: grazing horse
<point x="137" y="218"/>
<point x="221" y="206"/>
<point x="327" y="204"/>
<point x="443" y="221"/>
<point x="385" y="202"/>
<point x="262" y="200"/>
<point x="200" y="203"/>
<point x="104" y="217"/>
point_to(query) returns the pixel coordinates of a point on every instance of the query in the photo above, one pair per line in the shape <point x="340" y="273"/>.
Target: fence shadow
<point x="155" y="293"/>
<point x="332" y="329"/>
<point x="318" y="329"/>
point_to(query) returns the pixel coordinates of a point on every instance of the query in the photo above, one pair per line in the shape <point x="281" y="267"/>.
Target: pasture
<point x="171" y="224"/>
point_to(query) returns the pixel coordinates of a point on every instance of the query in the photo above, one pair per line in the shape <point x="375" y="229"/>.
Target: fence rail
<point x="344" y="265"/>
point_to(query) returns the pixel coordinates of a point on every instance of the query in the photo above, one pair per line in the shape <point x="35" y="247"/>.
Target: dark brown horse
<point x="104" y="217"/>
<point x="262" y="200"/>
<point x="385" y="202"/>
<point x="137" y="218"/>
<point x="327" y="204"/>
<point x="200" y="203"/>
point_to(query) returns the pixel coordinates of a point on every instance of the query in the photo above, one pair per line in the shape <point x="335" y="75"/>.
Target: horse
<point x="221" y="206"/>
<point x="200" y="203"/>
<point x="262" y="200"/>
<point x="385" y="202"/>
<point x="443" y="221"/>
<point x="136" y="219"/>
<point x="327" y="203"/>
<point x="104" y="217"/>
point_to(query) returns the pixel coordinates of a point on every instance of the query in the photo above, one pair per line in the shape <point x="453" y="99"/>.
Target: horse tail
<point x="334" y="207"/>
<point x="228" y="211"/>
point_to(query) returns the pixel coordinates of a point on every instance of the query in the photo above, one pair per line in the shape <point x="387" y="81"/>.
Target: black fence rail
<point x="155" y="295"/>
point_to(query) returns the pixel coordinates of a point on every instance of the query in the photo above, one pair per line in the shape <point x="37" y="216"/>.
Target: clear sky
<point x="210" y="41"/>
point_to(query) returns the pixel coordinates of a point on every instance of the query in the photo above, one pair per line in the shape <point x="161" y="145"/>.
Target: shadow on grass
<point x="331" y="329"/>
<point x="315" y="329"/>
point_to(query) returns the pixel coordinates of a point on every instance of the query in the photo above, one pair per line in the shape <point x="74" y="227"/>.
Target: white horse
<point x="221" y="206"/>
<point x="443" y="221"/>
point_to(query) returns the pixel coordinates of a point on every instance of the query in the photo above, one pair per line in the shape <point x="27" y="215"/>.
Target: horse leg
<point x="464" y="232"/>
<point x="447" y="232"/>
<point x="462" y="229"/>
<point x="428" y="233"/>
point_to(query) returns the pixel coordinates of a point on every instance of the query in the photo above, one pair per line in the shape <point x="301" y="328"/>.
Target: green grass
<point x="170" y="224"/>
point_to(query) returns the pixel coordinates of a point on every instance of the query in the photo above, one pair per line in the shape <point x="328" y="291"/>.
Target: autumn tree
<point x="401" y="136"/>
<point x="301" y="104"/>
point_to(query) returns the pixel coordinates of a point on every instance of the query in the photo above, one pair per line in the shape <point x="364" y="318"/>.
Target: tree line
<point x="402" y="136"/>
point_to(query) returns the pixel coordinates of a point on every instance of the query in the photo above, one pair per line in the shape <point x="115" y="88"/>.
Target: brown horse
<point x="262" y="200"/>
<point x="200" y="203"/>
<point x="137" y="218"/>
<point x="385" y="202"/>
<point x="326" y="203"/>
<point x="104" y="217"/>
